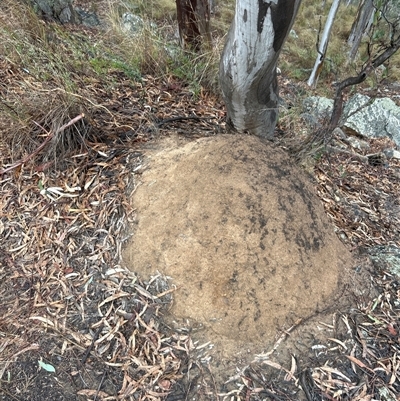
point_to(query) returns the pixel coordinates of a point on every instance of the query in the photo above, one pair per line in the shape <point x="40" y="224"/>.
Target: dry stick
<point x="46" y="141"/>
<point x="99" y="387"/>
<point x="94" y="339"/>
<point x="182" y="118"/>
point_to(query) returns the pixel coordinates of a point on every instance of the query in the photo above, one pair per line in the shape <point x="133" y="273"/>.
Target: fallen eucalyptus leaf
<point x="47" y="367"/>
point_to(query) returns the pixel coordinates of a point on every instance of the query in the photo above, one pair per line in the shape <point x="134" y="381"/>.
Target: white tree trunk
<point x="248" y="63"/>
<point x="323" y="45"/>
<point x="361" y="26"/>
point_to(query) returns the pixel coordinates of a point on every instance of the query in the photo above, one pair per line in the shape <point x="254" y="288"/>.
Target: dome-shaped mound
<point x="241" y="232"/>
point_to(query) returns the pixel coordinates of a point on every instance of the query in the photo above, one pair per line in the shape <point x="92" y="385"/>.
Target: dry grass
<point x="300" y="52"/>
<point x="160" y="10"/>
<point x="65" y="213"/>
<point x="62" y="67"/>
<point x="51" y="66"/>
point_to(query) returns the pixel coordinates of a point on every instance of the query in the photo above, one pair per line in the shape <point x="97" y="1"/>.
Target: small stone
<point x="320" y="107"/>
<point x="131" y="23"/>
<point x="386" y="258"/>
<point x="395" y="154"/>
<point x="357" y="143"/>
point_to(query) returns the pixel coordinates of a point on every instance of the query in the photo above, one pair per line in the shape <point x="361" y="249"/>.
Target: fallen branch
<point x="182" y="118"/>
<point x="374" y="159"/>
<point x="46" y="141"/>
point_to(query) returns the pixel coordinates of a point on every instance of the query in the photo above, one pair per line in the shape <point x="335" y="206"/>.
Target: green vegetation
<point x="102" y="66"/>
<point x="63" y="63"/>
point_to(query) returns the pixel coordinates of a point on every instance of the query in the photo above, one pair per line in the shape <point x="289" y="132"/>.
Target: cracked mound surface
<point x="241" y="232"/>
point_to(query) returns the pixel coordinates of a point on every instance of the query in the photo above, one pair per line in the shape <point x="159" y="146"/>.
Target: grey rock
<point x="88" y="19"/>
<point x="391" y="153"/>
<point x="367" y="117"/>
<point x="58" y="10"/>
<point x="63" y="11"/>
<point x="338" y="133"/>
<point x="373" y="118"/>
<point x="65" y="15"/>
<point x="395" y="154"/>
<point x="386" y="257"/>
<point x="320" y="107"/>
<point x="131" y="23"/>
<point x="357" y="143"/>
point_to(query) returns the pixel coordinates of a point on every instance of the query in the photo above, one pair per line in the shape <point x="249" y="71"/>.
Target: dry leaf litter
<point x="68" y="303"/>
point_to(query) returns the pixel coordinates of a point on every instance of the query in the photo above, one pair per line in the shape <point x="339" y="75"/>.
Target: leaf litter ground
<point x="68" y="304"/>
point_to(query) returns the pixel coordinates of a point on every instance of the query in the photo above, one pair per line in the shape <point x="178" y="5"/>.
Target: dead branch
<point x="372" y="65"/>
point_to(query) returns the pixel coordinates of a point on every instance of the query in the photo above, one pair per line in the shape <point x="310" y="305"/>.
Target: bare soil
<point x="243" y="236"/>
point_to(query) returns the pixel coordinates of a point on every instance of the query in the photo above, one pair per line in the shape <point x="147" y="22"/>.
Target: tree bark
<point x="193" y="23"/>
<point x="248" y="63"/>
<point x="323" y="45"/>
<point x="361" y="26"/>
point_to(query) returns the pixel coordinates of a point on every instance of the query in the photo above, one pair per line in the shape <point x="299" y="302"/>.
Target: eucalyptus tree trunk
<point x="323" y="45"/>
<point x="361" y="26"/>
<point x="248" y="63"/>
<point x="193" y="23"/>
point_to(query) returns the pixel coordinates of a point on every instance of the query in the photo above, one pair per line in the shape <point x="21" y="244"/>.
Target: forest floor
<point x="75" y="324"/>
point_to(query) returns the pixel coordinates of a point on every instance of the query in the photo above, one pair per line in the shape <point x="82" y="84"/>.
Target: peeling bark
<point x="248" y="63"/>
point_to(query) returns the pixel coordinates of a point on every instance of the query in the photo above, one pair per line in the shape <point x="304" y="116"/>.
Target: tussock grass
<point x="156" y="10"/>
<point x="48" y="68"/>
<point x="43" y="67"/>
<point x="30" y="66"/>
<point x="51" y="73"/>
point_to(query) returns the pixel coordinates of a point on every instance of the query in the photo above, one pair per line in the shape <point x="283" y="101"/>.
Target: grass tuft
<point x="61" y="66"/>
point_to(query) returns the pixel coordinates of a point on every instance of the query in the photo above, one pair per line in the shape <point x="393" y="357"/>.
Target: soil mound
<point x="241" y="232"/>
